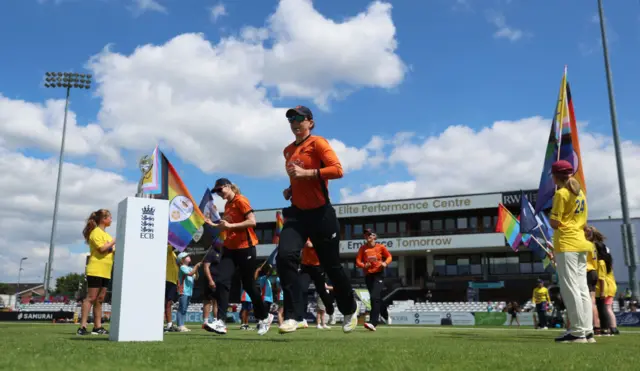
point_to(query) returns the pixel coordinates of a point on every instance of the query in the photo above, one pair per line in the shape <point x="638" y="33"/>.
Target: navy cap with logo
<point x="220" y="183"/>
<point x="299" y="110"/>
<point x="368" y="231"/>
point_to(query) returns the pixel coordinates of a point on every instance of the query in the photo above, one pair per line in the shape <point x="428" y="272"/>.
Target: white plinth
<point x="137" y="300"/>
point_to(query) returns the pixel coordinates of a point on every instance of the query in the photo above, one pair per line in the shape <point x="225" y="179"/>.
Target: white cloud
<point x="25" y="124"/>
<point x="189" y="92"/>
<point x="500" y="158"/>
<point x="311" y="53"/>
<point x="217" y="11"/>
<point x="26" y="213"/>
<point x="503" y="30"/>
<point x="141" y="6"/>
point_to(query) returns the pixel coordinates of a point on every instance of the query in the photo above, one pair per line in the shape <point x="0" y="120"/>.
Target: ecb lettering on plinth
<point x="139" y="268"/>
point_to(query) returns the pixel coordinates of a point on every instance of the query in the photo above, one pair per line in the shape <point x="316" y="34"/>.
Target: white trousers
<point x="572" y="278"/>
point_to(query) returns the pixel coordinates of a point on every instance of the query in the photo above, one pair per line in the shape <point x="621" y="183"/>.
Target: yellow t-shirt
<point x="571" y="211"/>
<point x="608" y="279"/>
<point x="592" y="259"/>
<point x="99" y="264"/>
<point x="540" y="295"/>
<point x="172" y="266"/>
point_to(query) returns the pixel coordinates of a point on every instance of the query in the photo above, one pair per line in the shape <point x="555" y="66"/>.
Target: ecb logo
<point x="147" y="221"/>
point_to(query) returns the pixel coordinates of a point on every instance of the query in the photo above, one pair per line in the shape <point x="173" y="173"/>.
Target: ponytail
<point x="573" y="185"/>
<point x="604" y="255"/>
<point x="92" y="222"/>
<point x="235" y="189"/>
<point x="569" y="183"/>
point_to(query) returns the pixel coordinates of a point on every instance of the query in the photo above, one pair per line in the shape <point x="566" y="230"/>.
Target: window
<point x="392" y="269"/>
<point x="357" y="230"/>
<point x="347" y="231"/>
<point x="368" y="226"/>
<point x="538" y="267"/>
<point x="513" y="264"/>
<point x="268" y="235"/>
<point x="451" y="268"/>
<point x="439" y="266"/>
<point x="380" y="228"/>
<point x="464" y="269"/>
<point x="526" y="268"/>
<point x="402" y="227"/>
<point x="351" y="269"/>
<point x="259" y="235"/>
<point x="473" y="223"/>
<point x="486" y="223"/>
<point x="476" y="264"/>
<point x="525" y="258"/>
<point x="498" y="265"/>
<point x="425" y="225"/>
<point x="449" y="224"/>
<point x="463" y="223"/>
<point x="436" y="224"/>
<point x="392" y="227"/>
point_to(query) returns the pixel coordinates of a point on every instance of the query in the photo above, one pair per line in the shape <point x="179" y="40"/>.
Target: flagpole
<point x="561" y="105"/>
<point x="628" y="231"/>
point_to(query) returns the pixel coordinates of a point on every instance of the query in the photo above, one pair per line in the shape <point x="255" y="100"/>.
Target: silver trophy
<point x="145" y="164"/>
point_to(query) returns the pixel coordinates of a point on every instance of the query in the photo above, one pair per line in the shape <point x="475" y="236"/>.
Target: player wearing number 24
<point x="568" y="218"/>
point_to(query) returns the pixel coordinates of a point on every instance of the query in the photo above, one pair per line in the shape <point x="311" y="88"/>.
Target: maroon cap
<point x="562" y="167"/>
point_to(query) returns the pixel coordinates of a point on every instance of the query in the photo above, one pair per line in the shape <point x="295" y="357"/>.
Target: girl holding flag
<point x="568" y="219"/>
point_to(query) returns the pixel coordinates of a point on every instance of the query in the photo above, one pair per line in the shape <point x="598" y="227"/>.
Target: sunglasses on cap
<point x="296" y="118"/>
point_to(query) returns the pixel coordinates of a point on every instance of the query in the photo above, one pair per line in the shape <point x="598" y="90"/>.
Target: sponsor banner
<point x="406" y="244"/>
<point x="501" y="318"/>
<point x="628" y="319"/>
<point x="513" y="198"/>
<point x="419" y="206"/>
<point x="35" y="316"/>
<point x="196" y="317"/>
<point x="432" y="318"/>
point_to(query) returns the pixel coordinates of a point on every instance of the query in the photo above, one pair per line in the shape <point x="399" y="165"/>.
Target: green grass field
<point x="56" y="347"/>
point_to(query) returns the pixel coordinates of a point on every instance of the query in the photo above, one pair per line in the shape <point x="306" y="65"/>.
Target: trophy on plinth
<point x="145" y="164"/>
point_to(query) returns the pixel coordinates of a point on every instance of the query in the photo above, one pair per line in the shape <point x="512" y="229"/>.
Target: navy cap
<point x="221" y="182"/>
<point x="300" y="110"/>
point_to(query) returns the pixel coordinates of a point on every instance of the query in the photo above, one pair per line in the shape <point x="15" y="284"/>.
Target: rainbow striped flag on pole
<point x="563" y="144"/>
<point x="509" y="225"/>
<point x="185" y="217"/>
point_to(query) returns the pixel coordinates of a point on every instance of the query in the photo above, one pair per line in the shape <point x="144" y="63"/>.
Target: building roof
<point x="24" y="287"/>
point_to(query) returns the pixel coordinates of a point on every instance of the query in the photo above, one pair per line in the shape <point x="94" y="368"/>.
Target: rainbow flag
<point x="563" y="144"/>
<point x="509" y="226"/>
<point x="185" y="218"/>
<point x="279" y="226"/>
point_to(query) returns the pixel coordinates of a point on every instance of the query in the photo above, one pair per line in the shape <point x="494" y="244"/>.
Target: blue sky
<point x="463" y="62"/>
